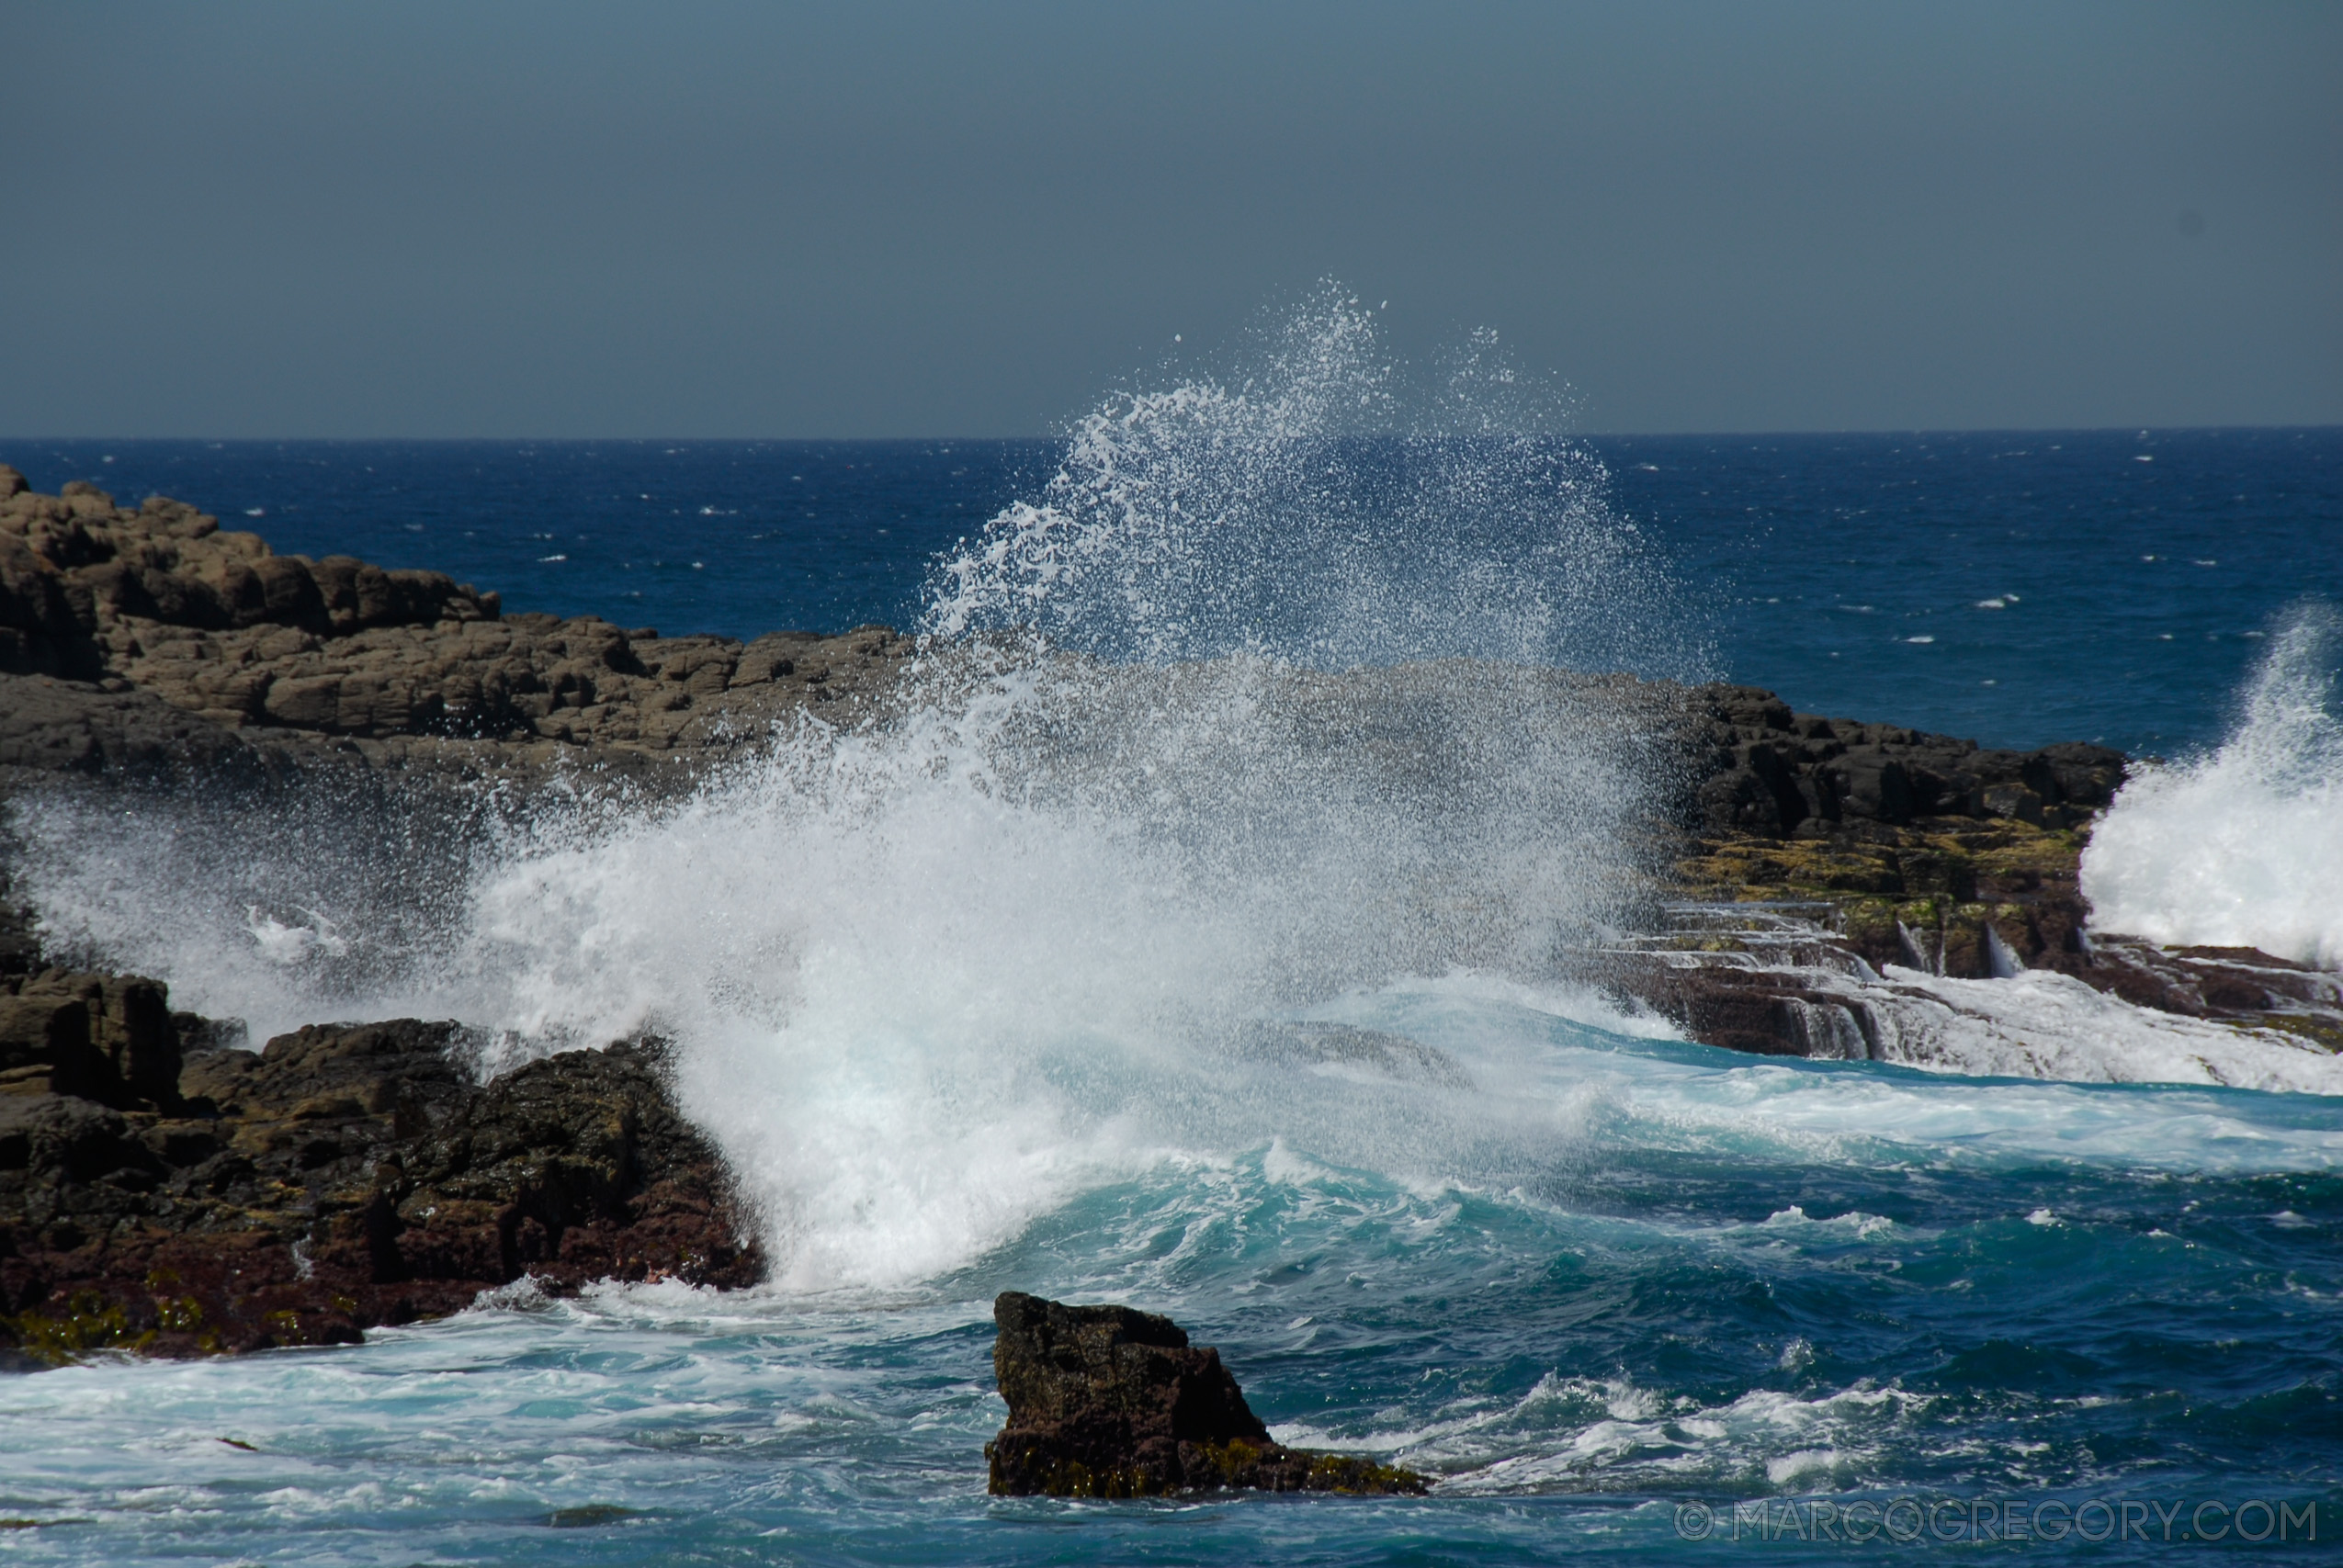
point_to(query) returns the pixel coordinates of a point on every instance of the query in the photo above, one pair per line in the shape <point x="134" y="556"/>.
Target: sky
<point x="709" y="219"/>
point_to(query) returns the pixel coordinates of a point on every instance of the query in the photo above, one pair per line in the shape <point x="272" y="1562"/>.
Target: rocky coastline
<point x="339" y="1180"/>
<point x="151" y="641"/>
<point x="163" y="1189"/>
<point x="1815" y="849"/>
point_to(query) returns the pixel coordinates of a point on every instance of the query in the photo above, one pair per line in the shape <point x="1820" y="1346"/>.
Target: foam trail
<point x="2242" y="848"/>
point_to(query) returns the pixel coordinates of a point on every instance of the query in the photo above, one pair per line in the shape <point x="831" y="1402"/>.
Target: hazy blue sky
<point x="713" y="219"/>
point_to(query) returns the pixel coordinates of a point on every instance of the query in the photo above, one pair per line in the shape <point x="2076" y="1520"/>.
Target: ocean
<point x="958" y="1000"/>
<point x="2080" y="585"/>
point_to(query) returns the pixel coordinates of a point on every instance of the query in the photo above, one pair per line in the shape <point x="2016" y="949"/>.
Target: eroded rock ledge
<point x="159" y="1195"/>
<point x="1109" y="1402"/>
<point x="152" y="638"/>
<point x="1818" y="848"/>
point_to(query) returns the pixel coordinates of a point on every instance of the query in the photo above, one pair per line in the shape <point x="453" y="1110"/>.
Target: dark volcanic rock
<point x="345" y="1177"/>
<point x="1758" y="767"/>
<point x="1108" y="1401"/>
<point x="98" y="1037"/>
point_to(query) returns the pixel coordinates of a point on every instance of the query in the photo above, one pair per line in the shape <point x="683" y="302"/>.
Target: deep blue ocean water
<point x="2136" y="573"/>
<point x="1627" y="1298"/>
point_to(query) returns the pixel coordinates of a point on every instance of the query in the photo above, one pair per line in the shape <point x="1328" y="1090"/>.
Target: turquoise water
<point x="1677" y="1277"/>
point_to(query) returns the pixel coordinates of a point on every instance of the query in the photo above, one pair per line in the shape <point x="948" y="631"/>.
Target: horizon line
<point x="8" y="440"/>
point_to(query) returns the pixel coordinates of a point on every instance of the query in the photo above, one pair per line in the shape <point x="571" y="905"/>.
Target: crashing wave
<point x="2242" y="848"/>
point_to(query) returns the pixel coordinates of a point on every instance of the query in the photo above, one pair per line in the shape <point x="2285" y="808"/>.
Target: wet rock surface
<point x="1817" y="849"/>
<point x="341" y="1177"/>
<point x="1109" y="1402"/>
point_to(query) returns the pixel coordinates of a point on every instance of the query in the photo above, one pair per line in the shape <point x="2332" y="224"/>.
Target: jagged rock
<point x="1109" y="1402"/>
<point x="343" y="1177"/>
<point x="99" y="1037"/>
<point x="1758" y="767"/>
<point x="1766" y="931"/>
<point x="340" y="658"/>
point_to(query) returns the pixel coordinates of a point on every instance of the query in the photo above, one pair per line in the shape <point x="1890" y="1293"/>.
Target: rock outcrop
<point x="344" y="1177"/>
<point x="85" y="585"/>
<point x="102" y="1038"/>
<point x="1109" y="1402"/>
<point x="1816" y="849"/>
<point x="1762" y="769"/>
<point x="164" y="637"/>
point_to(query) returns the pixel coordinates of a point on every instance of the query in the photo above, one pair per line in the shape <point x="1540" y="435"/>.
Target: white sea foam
<point x="1627" y="1435"/>
<point x="2244" y="847"/>
<point x="2038" y="1023"/>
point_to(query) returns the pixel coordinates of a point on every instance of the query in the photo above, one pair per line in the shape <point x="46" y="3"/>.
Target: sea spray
<point x="992" y="997"/>
<point x="1206" y="736"/>
<point x="931" y="976"/>
<point x="273" y="902"/>
<point x="2243" y="847"/>
<point x="1317" y="504"/>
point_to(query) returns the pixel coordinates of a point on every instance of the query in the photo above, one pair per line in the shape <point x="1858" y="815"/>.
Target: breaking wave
<point x="2243" y="848"/>
<point x="1204" y="736"/>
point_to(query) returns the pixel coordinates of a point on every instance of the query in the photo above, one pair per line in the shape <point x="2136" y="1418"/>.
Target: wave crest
<point x="2243" y="848"/>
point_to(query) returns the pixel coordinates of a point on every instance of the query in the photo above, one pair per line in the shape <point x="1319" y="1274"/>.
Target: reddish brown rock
<point x="342" y="1178"/>
<point x="1109" y="1402"/>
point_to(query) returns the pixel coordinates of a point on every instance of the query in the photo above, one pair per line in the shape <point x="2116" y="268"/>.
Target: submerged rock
<point x="1313" y="1045"/>
<point x="1109" y="1402"/>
